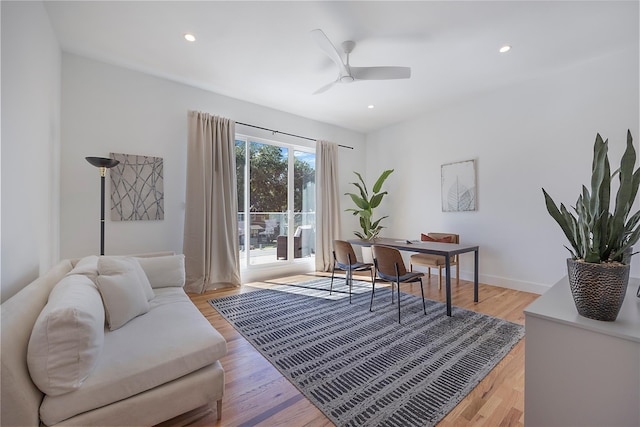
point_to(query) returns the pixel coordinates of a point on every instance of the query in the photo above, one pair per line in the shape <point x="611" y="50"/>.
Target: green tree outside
<point x="268" y="165"/>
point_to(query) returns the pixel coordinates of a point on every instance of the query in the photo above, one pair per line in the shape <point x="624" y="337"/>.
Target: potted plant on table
<point x="601" y="241"/>
<point x="365" y="205"/>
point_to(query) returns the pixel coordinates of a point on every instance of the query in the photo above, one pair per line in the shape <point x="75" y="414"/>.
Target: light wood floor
<point x="256" y="394"/>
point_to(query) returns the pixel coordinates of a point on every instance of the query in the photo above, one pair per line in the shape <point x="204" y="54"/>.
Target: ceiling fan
<point x="349" y="74"/>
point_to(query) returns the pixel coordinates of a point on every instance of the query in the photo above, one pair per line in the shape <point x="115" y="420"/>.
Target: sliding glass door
<point x="276" y="202"/>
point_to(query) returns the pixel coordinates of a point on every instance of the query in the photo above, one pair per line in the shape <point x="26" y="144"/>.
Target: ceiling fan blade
<point x="380" y="73"/>
<point x="325" y="87"/>
<point x="329" y="49"/>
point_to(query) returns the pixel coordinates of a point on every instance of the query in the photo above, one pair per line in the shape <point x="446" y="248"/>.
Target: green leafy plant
<point x="365" y="205"/>
<point x="595" y="234"/>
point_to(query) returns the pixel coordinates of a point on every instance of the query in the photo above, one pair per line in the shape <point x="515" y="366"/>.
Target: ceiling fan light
<point x="346" y="79"/>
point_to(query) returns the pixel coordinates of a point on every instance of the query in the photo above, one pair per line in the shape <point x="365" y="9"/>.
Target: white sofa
<point x="59" y="368"/>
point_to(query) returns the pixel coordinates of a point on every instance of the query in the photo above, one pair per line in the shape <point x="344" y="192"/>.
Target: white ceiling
<point x="262" y="51"/>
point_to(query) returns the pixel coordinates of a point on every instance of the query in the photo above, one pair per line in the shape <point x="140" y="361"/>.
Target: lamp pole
<point x="103" y="164"/>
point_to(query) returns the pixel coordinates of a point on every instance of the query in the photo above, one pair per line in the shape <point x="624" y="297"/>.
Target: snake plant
<point x="596" y="235"/>
<point x="365" y="205"/>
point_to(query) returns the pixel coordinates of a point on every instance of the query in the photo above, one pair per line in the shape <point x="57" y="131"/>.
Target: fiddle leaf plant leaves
<point x="365" y="204"/>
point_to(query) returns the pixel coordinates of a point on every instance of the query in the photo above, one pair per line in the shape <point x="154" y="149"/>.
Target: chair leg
<point x="219" y="409"/>
<point x="333" y="271"/>
<point x="373" y="291"/>
<point x="398" y="302"/>
<point x="424" y="307"/>
<point x="439" y="278"/>
<point x="373" y="281"/>
<point x="350" y="282"/>
<point x="458" y="273"/>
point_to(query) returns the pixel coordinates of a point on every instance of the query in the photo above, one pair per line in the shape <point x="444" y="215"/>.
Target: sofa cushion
<point x="67" y="338"/>
<point x="164" y="271"/>
<point x="172" y="340"/>
<point x="121" y="284"/>
<point x="428" y="260"/>
<point x="89" y="267"/>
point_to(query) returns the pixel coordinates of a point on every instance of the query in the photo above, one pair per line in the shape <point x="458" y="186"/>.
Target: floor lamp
<point x="103" y="163"/>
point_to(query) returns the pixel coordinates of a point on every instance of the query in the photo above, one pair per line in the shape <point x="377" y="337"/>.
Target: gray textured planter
<point x="598" y="289"/>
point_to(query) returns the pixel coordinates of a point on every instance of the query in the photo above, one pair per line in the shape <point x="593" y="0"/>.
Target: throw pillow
<point x="87" y="266"/>
<point x="426" y="238"/>
<point x="143" y="281"/>
<point x="122" y="290"/>
<point x="164" y="271"/>
<point x="67" y="338"/>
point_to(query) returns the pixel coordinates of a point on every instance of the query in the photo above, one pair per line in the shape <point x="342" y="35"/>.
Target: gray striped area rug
<point x="362" y="368"/>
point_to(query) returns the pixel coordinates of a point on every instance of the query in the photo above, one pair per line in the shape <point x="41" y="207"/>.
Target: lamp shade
<point x="103" y="162"/>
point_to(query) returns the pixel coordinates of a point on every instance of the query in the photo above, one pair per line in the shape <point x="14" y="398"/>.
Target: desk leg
<point x="475" y="276"/>
<point x="448" y="283"/>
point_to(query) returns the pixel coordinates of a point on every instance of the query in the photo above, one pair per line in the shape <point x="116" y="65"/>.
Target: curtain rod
<point x="285" y="133"/>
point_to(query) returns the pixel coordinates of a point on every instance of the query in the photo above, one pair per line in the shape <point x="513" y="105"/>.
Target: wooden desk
<point x="447" y="250"/>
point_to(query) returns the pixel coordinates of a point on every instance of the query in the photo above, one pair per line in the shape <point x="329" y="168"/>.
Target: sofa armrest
<point x="20" y="397"/>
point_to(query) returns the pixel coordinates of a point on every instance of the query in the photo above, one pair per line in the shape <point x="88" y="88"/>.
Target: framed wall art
<point x="459" y="186"/>
<point x="137" y="189"/>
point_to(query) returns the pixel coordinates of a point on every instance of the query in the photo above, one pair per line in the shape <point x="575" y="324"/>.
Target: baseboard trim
<point x="503" y="282"/>
<point x="518" y="285"/>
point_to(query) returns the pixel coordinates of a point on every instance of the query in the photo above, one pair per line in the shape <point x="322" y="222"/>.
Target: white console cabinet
<point x="578" y="371"/>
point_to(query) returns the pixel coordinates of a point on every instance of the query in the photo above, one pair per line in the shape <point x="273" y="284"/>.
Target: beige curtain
<point x="327" y="203"/>
<point x="211" y="213"/>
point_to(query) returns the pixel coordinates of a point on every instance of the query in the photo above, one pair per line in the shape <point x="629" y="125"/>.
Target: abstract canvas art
<point x="459" y="186"/>
<point x="137" y="190"/>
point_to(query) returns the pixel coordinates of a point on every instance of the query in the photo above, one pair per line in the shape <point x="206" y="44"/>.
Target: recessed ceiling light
<point x="505" y="48"/>
<point x="371" y="107"/>
<point x="189" y="37"/>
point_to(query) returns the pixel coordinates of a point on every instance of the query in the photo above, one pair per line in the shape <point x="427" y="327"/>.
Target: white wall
<point x="112" y="109"/>
<point x="30" y="144"/>
<point x="537" y="134"/>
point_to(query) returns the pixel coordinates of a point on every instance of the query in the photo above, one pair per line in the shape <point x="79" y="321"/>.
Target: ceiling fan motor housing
<point x="348" y="46"/>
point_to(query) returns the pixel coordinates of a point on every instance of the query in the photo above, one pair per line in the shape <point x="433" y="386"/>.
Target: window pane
<point x="241" y="155"/>
<point x="265" y="229"/>
<point x="305" y="200"/>
<point x="268" y="169"/>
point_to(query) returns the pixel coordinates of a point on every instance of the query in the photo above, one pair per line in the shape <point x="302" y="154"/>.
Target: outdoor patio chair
<point x="301" y="242"/>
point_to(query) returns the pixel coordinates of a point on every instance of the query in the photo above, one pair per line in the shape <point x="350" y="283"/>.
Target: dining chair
<point x="437" y="261"/>
<point x="390" y="267"/>
<point x="344" y="258"/>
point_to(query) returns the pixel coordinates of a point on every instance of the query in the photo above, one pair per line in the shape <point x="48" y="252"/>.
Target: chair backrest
<point x="454" y="238"/>
<point x="343" y="251"/>
<point x="386" y="260"/>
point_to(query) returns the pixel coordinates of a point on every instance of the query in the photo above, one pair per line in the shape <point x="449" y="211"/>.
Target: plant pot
<point x="367" y="254"/>
<point x="598" y="289"/>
